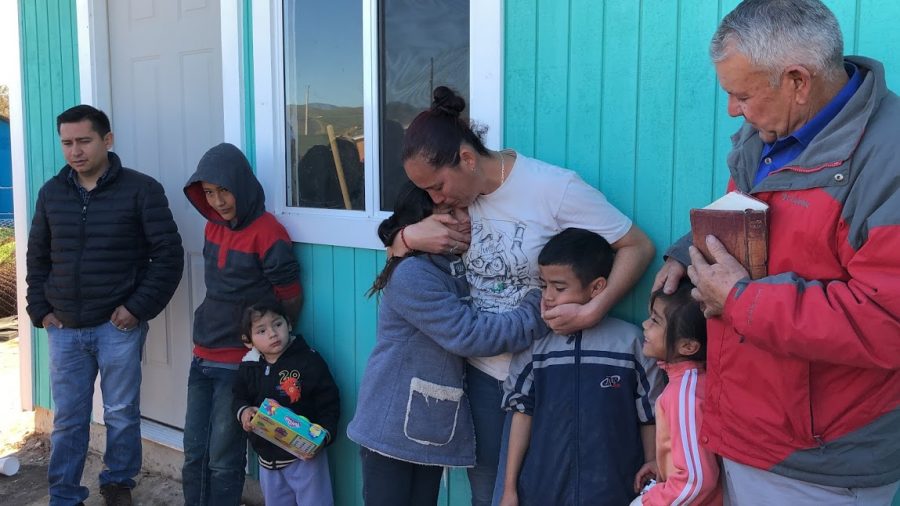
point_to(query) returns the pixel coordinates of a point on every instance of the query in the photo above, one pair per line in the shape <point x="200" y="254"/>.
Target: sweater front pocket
<point x="431" y="412"/>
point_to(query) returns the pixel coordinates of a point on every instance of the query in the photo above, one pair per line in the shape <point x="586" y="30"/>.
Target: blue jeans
<point x="76" y="356"/>
<point x="215" y="445"/>
<point x="485" y="396"/>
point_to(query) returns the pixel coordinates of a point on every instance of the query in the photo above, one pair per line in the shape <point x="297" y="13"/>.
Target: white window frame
<point x="342" y="227"/>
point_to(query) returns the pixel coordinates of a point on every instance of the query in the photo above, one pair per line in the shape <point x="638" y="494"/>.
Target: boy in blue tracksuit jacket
<point x="583" y="420"/>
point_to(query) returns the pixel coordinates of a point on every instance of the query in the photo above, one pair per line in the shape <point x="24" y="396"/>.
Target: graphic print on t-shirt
<point x="496" y="267"/>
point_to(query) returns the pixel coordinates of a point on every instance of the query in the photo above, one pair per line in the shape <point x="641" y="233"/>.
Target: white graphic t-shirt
<point x="510" y="227"/>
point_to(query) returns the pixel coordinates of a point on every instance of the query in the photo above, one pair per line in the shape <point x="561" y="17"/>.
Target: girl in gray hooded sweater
<point x="412" y="415"/>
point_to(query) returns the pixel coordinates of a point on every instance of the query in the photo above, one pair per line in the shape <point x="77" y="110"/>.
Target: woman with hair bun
<point x="515" y="204"/>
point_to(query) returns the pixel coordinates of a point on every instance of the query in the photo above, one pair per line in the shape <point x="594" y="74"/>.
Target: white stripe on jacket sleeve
<point x="687" y="419"/>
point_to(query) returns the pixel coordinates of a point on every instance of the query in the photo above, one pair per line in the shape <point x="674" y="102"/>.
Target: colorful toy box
<point x="288" y="430"/>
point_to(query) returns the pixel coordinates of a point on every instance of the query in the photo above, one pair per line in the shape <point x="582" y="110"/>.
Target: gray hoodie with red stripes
<point x="246" y="259"/>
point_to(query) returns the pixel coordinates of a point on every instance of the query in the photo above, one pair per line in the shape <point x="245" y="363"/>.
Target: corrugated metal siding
<point x="621" y="91"/>
<point x="49" y="86"/>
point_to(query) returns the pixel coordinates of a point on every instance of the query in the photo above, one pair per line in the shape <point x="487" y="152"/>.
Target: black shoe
<point x="116" y="494"/>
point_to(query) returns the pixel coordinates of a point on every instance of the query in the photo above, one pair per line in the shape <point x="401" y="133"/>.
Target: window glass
<point x="323" y="86"/>
<point x="423" y="44"/>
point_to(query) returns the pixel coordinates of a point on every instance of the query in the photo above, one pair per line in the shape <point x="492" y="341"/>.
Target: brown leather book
<point x="741" y="223"/>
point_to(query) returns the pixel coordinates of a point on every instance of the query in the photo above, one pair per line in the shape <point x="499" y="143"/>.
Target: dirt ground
<point x="28" y="487"/>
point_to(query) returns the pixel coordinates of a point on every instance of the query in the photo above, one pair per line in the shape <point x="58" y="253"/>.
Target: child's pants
<point x="302" y="483"/>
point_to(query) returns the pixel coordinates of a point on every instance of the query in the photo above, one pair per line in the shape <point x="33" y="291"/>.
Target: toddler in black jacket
<point x="282" y="367"/>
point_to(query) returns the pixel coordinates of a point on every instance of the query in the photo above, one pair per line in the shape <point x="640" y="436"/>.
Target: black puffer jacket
<point x="122" y="248"/>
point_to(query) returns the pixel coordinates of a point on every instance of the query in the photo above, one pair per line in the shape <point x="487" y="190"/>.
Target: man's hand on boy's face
<point x="246" y="416"/>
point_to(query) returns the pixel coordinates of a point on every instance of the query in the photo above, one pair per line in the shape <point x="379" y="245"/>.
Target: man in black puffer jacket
<point x="104" y="257"/>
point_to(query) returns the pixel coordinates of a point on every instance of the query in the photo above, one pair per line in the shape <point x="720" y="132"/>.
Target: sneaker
<point x="116" y="494"/>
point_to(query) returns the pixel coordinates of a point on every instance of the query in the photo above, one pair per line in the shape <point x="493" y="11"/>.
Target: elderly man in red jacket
<point x="803" y="396"/>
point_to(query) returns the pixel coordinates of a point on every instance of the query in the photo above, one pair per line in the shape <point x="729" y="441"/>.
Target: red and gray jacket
<point x="246" y="260"/>
<point x="804" y="365"/>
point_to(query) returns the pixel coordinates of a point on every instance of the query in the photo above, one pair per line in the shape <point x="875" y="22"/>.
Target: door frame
<point x="95" y="88"/>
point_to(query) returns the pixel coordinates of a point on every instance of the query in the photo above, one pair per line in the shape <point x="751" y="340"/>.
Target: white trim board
<point x="21" y="213"/>
<point x="162" y="434"/>
<point x="232" y="73"/>
<point x="93" y="53"/>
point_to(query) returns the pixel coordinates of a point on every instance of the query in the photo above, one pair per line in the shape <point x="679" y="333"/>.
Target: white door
<point x="166" y="85"/>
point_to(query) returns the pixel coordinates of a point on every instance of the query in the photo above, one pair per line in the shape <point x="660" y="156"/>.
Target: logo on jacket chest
<point x="614" y="381"/>
<point x="795" y="200"/>
<point x="289" y="384"/>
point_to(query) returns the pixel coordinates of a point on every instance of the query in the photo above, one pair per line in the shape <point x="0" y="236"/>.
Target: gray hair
<point x="773" y="34"/>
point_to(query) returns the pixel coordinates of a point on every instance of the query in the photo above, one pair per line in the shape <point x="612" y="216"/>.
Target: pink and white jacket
<point x="688" y="473"/>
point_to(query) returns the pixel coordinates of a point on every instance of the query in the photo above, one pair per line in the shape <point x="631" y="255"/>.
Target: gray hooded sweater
<point x="246" y="259"/>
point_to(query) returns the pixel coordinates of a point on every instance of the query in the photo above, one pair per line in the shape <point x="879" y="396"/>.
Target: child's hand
<point x="647" y="472"/>
<point x="510" y="498"/>
<point x="246" y="416"/>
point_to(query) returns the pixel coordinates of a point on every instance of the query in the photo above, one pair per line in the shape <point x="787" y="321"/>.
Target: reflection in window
<point x="424" y="44"/>
<point x="323" y="86"/>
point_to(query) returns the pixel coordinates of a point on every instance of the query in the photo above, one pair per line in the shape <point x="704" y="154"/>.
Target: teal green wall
<point x="50" y="83"/>
<point x="621" y="91"/>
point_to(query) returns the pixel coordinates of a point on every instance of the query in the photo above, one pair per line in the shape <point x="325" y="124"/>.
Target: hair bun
<point x="446" y="101"/>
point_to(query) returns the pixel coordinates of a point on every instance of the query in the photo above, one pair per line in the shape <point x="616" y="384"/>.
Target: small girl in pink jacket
<point x="685" y="472"/>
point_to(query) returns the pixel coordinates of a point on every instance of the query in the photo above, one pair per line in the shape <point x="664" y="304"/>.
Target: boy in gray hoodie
<point x="247" y="259"/>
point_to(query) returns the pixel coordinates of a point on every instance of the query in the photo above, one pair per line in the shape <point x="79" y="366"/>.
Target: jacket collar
<point x="297" y="347"/>
<point x="677" y="369"/>
<point x="833" y="146"/>
<point x="67" y="173"/>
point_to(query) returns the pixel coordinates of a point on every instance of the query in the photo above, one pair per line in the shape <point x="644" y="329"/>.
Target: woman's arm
<point x="425" y="299"/>
<point x="438" y="234"/>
